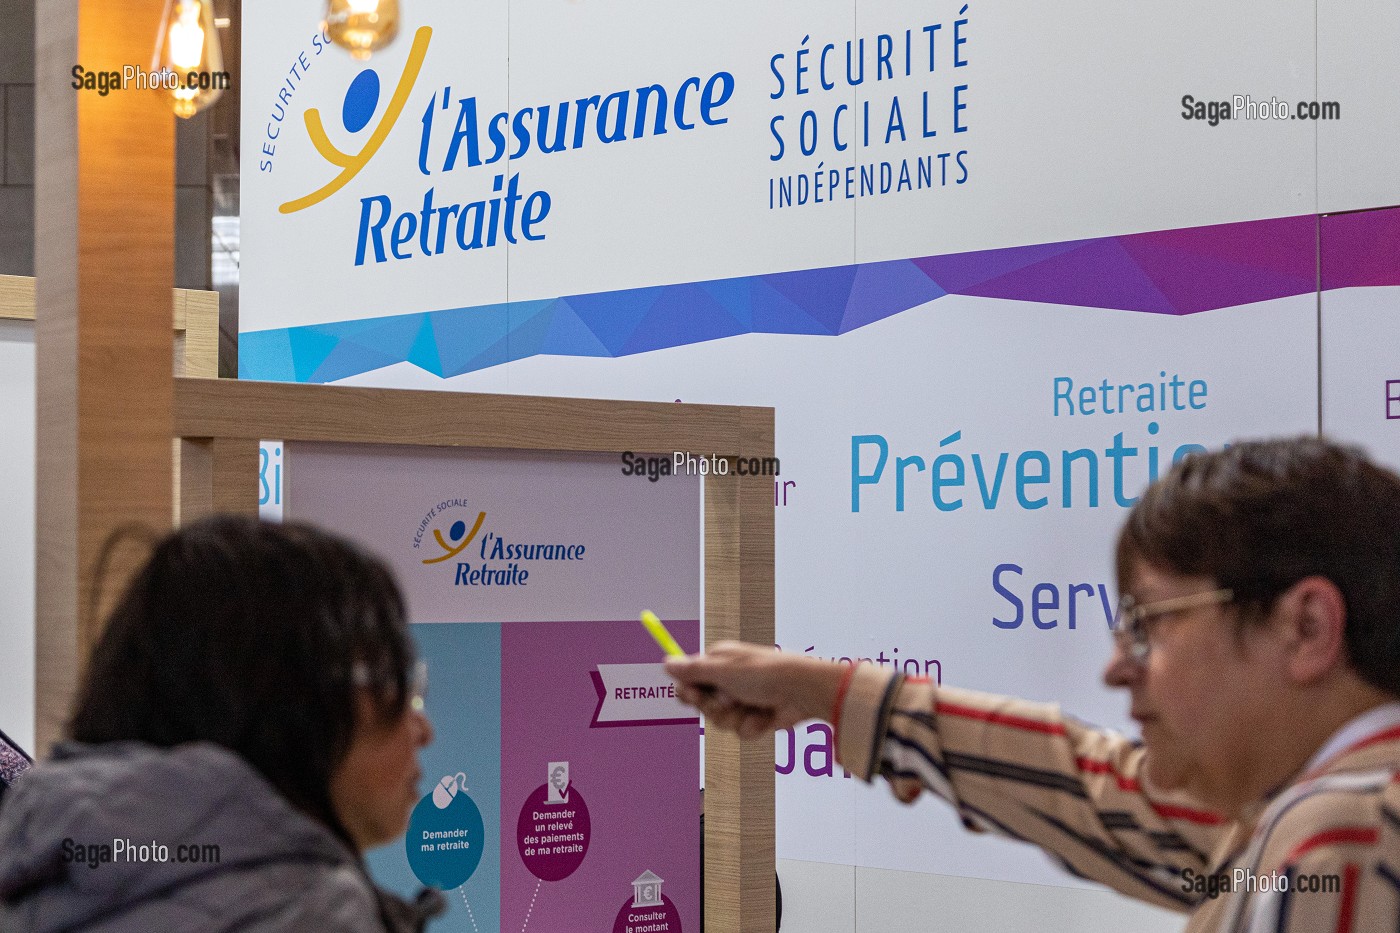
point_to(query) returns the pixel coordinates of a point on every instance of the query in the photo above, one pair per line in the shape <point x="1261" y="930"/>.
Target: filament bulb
<point x="188" y="61"/>
<point x="362" y="26"/>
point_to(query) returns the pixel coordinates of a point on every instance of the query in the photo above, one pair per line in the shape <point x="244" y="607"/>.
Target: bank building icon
<point x="646" y="890"/>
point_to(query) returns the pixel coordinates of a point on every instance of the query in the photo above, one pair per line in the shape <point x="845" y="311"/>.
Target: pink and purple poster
<point x="561" y="793"/>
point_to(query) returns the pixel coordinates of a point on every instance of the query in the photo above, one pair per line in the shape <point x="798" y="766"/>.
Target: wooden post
<point x="104" y="257"/>
<point x="739" y="783"/>
<point x="217" y="475"/>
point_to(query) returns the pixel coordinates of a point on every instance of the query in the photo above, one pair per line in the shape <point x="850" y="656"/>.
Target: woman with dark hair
<point x="247" y="728"/>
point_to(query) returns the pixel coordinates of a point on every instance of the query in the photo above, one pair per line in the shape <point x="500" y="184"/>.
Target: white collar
<point x="1374" y="720"/>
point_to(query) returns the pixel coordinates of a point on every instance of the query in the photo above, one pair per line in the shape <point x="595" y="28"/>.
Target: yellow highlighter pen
<point x="663" y="638"/>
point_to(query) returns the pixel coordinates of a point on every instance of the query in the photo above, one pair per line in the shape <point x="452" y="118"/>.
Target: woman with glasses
<point x="247" y="727"/>
<point x="1259" y="644"/>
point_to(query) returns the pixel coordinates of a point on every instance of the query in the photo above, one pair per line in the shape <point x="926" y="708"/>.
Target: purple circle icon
<point x="553" y="836"/>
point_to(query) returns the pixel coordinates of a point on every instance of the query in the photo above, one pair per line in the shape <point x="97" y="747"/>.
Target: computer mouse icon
<point x="447" y="789"/>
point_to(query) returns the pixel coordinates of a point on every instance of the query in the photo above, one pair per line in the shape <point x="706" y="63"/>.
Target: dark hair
<point x="1259" y="516"/>
<point x="247" y="634"/>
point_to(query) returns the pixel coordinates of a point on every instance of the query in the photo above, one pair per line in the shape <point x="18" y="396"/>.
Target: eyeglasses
<point x="417" y="683"/>
<point x="1131" y="623"/>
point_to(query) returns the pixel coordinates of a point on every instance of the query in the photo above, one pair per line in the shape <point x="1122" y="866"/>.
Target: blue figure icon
<point x="361" y="99"/>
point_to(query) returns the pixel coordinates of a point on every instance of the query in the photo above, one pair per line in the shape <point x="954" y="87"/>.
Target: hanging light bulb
<point x="188" y="54"/>
<point x="362" y="26"/>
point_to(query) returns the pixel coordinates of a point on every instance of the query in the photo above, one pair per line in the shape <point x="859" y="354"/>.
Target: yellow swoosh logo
<point x="350" y="165"/>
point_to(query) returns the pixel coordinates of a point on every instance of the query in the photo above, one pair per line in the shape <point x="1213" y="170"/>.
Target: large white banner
<point x="995" y="265"/>
<point x="1360" y="329"/>
<point x="643" y="143"/>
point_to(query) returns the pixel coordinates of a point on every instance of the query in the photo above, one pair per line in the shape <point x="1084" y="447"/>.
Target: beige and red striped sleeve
<point x="1026" y="771"/>
<point x="1330" y="862"/>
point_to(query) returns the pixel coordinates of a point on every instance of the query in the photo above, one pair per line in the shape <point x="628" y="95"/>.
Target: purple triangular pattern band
<point x="1171" y="272"/>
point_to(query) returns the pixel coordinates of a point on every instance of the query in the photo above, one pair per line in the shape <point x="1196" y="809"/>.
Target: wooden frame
<point x="196" y="322"/>
<point x="219" y="424"/>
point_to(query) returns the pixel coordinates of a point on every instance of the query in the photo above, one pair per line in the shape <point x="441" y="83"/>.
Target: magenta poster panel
<point x="599" y="782"/>
<point x="562" y="791"/>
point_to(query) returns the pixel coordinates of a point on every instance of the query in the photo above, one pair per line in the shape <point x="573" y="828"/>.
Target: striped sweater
<point x="1321" y="856"/>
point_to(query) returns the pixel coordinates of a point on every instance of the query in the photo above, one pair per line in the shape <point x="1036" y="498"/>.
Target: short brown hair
<point x="1259" y="516"/>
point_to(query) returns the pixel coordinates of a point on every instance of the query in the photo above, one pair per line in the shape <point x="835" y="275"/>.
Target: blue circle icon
<point x="457" y="530"/>
<point x="444" y="844"/>
<point x="361" y="99"/>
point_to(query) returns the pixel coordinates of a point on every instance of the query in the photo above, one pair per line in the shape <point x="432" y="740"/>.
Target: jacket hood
<point x="72" y="830"/>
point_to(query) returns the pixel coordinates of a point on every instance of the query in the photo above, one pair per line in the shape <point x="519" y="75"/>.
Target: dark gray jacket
<point x="278" y="871"/>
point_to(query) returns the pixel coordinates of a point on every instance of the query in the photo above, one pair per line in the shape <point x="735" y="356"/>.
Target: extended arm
<point x="1011" y="767"/>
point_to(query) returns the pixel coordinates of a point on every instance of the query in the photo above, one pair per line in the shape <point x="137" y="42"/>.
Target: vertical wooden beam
<point x="217" y="475"/>
<point x="196" y="333"/>
<point x="739" y="782"/>
<point x="104" y="249"/>
<point x="196" y="355"/>
<point x="723" y="751"/>
<point x="756" y="772"/>
<point x="195" y="460"/>
<point x="235" y="474"/>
